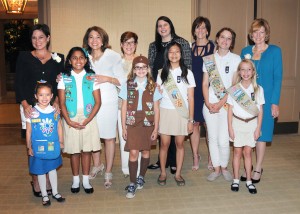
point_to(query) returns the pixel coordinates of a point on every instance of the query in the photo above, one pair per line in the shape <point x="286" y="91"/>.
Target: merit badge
<point x="41" y="148"/>
<point x="89" y="107"/>
<point x="50" y="146"/>
<point x="150" y="105"/>
<point x="35" y="114"/>
<point x="253" y="96"/>
<point x="89" y="78"/>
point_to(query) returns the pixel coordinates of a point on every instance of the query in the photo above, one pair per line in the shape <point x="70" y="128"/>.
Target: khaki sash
<point x="242" y="98"/>
<point x="175" y="96"/>
<point x="215" y="79"/>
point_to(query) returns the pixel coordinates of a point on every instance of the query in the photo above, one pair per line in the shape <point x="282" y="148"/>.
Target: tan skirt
<point x="138" y="135"/>
<point x="84" y="140"/>
<point x="244" y="132"/>
<point x="171" y="123"/>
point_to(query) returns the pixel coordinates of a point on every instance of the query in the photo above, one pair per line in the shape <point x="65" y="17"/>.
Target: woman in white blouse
<point x="107" y="65"/>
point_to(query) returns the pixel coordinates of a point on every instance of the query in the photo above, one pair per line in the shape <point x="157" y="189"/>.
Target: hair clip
<point x="42" y="81"/>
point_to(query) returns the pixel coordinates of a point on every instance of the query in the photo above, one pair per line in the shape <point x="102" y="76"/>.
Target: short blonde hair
<point x="257" y="24"/>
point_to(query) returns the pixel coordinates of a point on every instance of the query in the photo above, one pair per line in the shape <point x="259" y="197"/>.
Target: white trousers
<point x="124" y="154"/>
<point x="218" y="136"/>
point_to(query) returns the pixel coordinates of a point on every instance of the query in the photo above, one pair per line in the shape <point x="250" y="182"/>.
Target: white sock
<point x="76" y="181"/>
<point x="248" y="183"/>
<point x="53" y="180"/>
<point x="86" y="182"/>
<point x="42" y="184"/>
<point x="235" y="182"/>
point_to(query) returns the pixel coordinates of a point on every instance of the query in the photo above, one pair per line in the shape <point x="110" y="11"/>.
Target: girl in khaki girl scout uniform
<point x="176" y="108"/>
<point x="244" y="120"/>
<point x="140" y="117"/>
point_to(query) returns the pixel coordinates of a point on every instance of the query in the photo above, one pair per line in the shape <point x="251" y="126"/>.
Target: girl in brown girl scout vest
<point x="140" y="117"/>
<point x="244" y="119"/>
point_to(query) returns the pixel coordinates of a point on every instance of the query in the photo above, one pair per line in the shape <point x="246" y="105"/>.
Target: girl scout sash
<point x="215" y="79"/>
<point x="242" y="98"/>
<point x="175" y="96"/>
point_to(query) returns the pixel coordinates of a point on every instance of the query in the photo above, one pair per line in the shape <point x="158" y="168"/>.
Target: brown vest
<point x="132" y="103"/>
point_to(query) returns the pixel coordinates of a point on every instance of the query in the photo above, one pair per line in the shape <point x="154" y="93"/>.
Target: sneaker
<point x="227" y="175"/>
<point x="213" y="176"/>
<point x="131" y="189"/>
<point x="140" y="182"/>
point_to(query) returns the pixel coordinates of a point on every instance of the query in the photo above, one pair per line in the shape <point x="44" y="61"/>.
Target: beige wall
<point x="69" y="20"/>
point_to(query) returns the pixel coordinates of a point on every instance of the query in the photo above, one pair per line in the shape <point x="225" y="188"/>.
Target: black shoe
<point x="235" y="187"/>
<point x="242" y="178"/>
<point x="46" y="203"/>
<point x="88" y="191"/>
<point x="257" y="181"/>
<point x="75" y="190"/>
<point x="154" y="166"/>
<point x="173" y="169"/>
<point x="58" y="198"/>
<point x="252" y="190"/>
<point x="36" y="194"/>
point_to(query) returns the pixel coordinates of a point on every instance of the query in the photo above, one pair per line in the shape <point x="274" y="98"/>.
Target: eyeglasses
<point x="129" y="43"/>
<point x="138" y="68"/>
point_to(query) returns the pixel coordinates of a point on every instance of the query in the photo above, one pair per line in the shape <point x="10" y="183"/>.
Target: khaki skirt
<point x="171" y="123"/>
<point x="138" y="135"/>
<point x="244" y="132"/>
<point x="84" y="140"/>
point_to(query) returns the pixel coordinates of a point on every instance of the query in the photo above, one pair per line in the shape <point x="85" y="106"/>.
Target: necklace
<point x="39" y="58"/>
<point x="164" y="44"/>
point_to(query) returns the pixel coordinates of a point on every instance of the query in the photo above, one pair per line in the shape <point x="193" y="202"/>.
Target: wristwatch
<point x="191" y="121"/>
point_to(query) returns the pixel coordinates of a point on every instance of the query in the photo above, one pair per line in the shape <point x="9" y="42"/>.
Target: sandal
<point x="35" y="193"/>
<point x="195" y="167"/>
<point x="180" y="182"/>
<point x="46" y="203"/>
<point x="95" y="170"/>
<point x="107" y="179"/>
<point x="162" y="182"/>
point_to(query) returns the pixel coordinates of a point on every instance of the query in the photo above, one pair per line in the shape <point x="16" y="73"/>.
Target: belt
<point x="245" y="120"/>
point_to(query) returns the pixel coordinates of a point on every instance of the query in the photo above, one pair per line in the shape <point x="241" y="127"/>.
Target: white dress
<point x="108" y="65"/>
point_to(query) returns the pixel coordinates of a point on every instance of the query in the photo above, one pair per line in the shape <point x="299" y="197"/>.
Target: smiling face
<point x="78" y="61"/>
<point x="201" y="31"/>
<point x="129" y="47"/>
<point x="246" y="71"/>
<point x="164" y="29"/>
<point x="259" y="35"/>
<point x="174" y="55"/>
<point x="39" y="40"/>
<point x="140" y="70"/>
<point x="95" y="40"/>
<point x="225" y="40"/>
<point x="43" y="96"/>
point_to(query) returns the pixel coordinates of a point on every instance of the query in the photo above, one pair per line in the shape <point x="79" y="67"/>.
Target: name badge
<point x="227" y="69"/>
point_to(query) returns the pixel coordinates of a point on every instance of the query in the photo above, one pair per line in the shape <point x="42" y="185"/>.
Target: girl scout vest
<point x="44" y="135"/>
<point x="71" y="94"/>
<point x="132" y="103"/>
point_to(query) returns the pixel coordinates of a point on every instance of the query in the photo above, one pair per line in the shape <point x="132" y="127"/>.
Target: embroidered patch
<point x="150" y="105"/>
<point x="41" y="148"/>
<point x="89" y="108"/>
<point x="38" y="120"/>
<point x="35" y="114"/>
<point x="67" y="79"/>
<point x="130" y="119"/>
<point x="146" y="122"/>
<point x="149" y="113"/>
<point x="47" y="127"/>
<point x="50" y="146"/>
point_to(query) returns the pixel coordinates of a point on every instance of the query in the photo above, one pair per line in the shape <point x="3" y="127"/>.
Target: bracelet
<point x="191" y="121"/>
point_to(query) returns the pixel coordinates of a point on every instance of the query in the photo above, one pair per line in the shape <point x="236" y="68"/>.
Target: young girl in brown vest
<point x="140" y="117"/>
